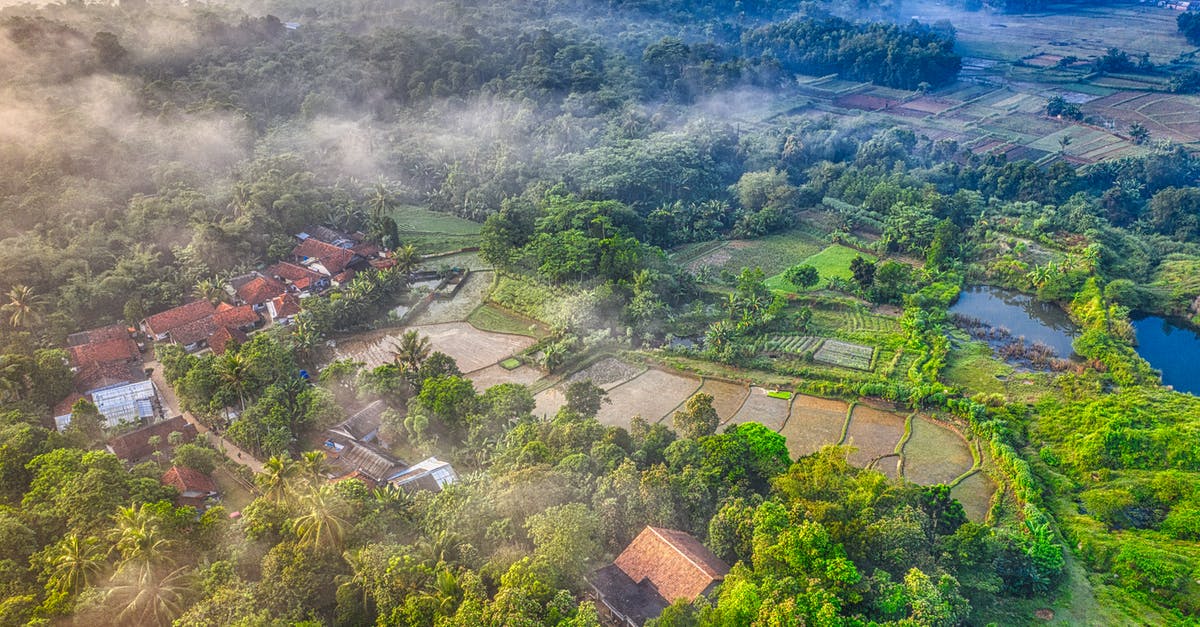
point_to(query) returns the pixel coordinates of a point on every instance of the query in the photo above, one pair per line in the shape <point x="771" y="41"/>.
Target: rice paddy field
<point x="653" y="395"/>
<point x="934" y="453"/>
<point x="766" y="410"/>
<point x="975" y="493"/>
<point x="814" y="422"/>
<point x="727" y="396"/>
<point x="874" y="432"/>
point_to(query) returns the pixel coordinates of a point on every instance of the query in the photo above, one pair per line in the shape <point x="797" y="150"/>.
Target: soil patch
<point x="652" y="395"/>
<point x="874" y="433"/>
<point x="770" y="412"/>
<point x="548" y="402"/>
<point x="607" y="373"/>
<point x="496" y="374"/>
<point x="727" y="396"/>
<point x="471" y="348"/>
<point x="815" y="422"/>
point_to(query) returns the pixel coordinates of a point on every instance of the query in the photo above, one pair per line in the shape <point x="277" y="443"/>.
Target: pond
<point x="1172" y="348"/>
<point x="1021" y="314"/>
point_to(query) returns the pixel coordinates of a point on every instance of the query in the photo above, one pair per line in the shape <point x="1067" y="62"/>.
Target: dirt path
<point x="229" y="449"/>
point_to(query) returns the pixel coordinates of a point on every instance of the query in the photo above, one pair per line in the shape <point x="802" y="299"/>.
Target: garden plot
<point x="496" y="374"/>
<point x="791" y="344"/>
<point x="607" y="373"/>
<point x="975" y="494"/>
<point x="766" y="410"/>
<point x="874" y="433"/>
<point x="727" y="396"/>
<point x="814" y="422"/>
<point x="935" y="454"/>
<point x="845" y="354"/>
<point x="471" y="348"/>
<point x="652" y="395"/>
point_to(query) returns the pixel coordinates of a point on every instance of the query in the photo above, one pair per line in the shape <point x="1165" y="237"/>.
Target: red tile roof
<point x="171" y="319"/>
<point x="381" y="264"/>
<point x="333" y="258"/>
<point x="64" y="406"/>
<point x="220" y="339"/>
<point x="97" y="375"/>
<point x="673" y="562"/>
<point x="366" y="249"/>
<point x="236" y="317"/>
<point x="187" y="479"/>
<point x="343" y="277"/>
<point x="103" y="334"/>
<point x="260" y="290"/>
<point x="291" y="272"/>
<point x="286" y="305"/>
<point x="123" y="349"/>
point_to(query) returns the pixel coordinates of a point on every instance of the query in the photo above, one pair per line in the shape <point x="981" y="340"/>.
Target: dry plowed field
<point x="652" y="395"/>
<point x="727" y="396"/>
<point x="770" y="412"/>
<point x="471" y="348"/>
<point x="815" y="422"/>
<point x="494" y="374"/>
<point x="874" y="433"/>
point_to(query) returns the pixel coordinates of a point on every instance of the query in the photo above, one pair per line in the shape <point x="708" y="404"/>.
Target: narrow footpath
<point x="171" y="404"/>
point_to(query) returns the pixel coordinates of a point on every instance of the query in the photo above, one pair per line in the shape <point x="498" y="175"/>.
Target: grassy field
<point x="832" y="262"/>
<point x="773" y="253"/>
<point x="490" y="317"/>
<point x="972" y="367"/>
<point x="413" y="219"/>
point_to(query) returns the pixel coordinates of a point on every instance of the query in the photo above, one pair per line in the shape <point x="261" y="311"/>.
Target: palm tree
<point x="412" y="350"/>
<point x="314" y="467"/>
<point x="140" y="539"/>
<point x="234" y="371"/>
<point x="359" y="579"/>
<point x="149" y="599"/>
<point x="1039" y="276"/>
<point x="209" y="290"/>
<point x="381" y="201"/>
<point x="75" y="561"/>
<point x="277" y="479"/>
<point x="321" y="524"/>
<point x="23" y="306"/>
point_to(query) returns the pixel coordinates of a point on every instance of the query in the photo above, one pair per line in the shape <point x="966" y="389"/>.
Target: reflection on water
<point x="1021" y="314"/>
<point x="1171" y="348"/>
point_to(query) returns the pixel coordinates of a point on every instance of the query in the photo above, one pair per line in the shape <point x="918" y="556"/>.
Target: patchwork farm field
<point x="832" y="262"/>
<point x="652" y="395"/>
<point x="773" y="253"/>
<point x="814" y="422"/>
<point x="727" y="396"/>
<point x="935" y="453"/>
<point x="471" y="348"/>
<point x="975" y="493"/>
<point x="874" y="432"/>
<point x="769" y="411"/>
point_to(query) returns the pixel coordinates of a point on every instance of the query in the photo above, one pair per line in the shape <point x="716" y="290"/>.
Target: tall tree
<point x="24" y="306"/>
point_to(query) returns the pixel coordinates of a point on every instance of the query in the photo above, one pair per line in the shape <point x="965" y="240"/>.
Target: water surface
<point x="1021" y="314"/>
<point x="1172" y="348"/>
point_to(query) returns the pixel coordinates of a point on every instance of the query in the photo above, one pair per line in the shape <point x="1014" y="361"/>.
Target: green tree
<point x="698" y="418"/>
<point x="323" y="522"/>
<point x="802" y="276"/>
<point x="567" y="538"/>
<point x="412" y="350"/>
<point x="24" y="306"/>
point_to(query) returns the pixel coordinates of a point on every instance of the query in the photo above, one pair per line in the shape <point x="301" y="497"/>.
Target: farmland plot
<point x="975" y="494"/>
<point x="607" y="373"/>
<point x="874" y="433"/>
<point x="792" y="344"/>
<point x="935" y="454"/>
<point x="496" y="374"/>
<point x="814" y="422"/>
<point x="727" y="396"/>
<point x="765" y="410"/>
<point x="845" y="354"/>
<point x="471" y="348"/>
<point x="652" y="395"/>
<point x="548" y="402"/>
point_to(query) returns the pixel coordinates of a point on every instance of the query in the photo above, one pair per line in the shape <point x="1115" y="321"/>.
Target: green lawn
<point x="414" y="220"/>
<point x="488" y="317"/>
<point x="833" y="261"/>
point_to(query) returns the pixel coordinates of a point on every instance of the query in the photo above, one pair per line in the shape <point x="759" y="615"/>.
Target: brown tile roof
<point x="187" y="480"/>
<point x="382" y="264"/>
<point x="172" y="319"/>
<point x="102" y="334"/>
<point x="343" y="277"/>
<point x="366" y="249"/>
<point x="219" y="340"/>
<point x="236" y="317"/>
<point x="64" y="406"/>
<point x="291" y="272"/>
<point x="120" y="349"/>
<point x="97" y="375"/>
<point x="334" y="259"/>
<point x="260" y="290"/>
<point x="135" y="445"/>
<point x="673" y="562"/>
<point x="195" y="331"/>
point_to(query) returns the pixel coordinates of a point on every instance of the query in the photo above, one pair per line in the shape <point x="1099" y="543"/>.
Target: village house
<point x="659" y="567"/>
<point x="199" y="324"/>
<point x="107" y="365"/>
<point x="353" y="449"/>
<point x="160" y="326"/>
<point x="139" y="444"/>
<point x="333" y="254"/>
<point x="195" y="488"/>
<point x="259" y="290"/>
<point x="299" y="279"/>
